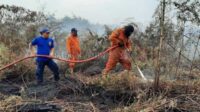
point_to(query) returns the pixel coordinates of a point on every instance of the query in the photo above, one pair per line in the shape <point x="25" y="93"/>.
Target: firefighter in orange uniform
<point x="73" y="48"/>
<point x="120" y="38"/>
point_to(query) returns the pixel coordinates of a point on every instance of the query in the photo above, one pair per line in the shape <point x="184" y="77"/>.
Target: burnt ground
<point x="70" y="94"/>
<point x="84" y="93"/>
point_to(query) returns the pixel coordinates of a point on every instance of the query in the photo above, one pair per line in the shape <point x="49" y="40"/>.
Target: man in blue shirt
<point x="45" y="46"/>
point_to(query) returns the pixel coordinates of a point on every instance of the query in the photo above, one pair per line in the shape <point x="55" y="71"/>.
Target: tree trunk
<point x="157" y="75"/>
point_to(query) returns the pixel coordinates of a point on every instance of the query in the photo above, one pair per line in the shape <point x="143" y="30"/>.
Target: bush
<point x="3" y="54"/>
<point x="25" y="68"/>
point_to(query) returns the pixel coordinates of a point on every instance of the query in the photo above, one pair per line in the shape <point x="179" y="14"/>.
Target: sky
<point x="96" y="11"/>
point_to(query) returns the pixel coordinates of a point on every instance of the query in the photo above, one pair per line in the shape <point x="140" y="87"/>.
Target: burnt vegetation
<point x="170" y="47"/>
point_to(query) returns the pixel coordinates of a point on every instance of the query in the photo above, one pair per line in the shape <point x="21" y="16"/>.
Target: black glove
<point x="121" y="44"/>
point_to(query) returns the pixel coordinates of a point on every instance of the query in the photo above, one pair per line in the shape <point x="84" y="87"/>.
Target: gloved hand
<point x="121" y="44"/>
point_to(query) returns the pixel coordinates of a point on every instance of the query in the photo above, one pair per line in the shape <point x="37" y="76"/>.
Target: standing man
<point x="45" y="46"/>
<point x="73" y="48"/>
<point x="120" y="38"/>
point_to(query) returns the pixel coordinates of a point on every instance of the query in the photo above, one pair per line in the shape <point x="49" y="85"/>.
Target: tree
<point x="15" y="25"/>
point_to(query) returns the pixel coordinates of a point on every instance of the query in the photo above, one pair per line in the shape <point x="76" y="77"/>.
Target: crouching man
<point x="120" y="38"/>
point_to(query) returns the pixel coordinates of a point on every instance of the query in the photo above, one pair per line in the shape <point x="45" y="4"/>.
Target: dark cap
<point x="73" y="30"/>
<point x="44" y="30"/>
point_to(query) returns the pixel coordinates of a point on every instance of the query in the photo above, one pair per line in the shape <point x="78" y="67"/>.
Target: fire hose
<point x="71" y="61"/>
<point x="60" y="59"/>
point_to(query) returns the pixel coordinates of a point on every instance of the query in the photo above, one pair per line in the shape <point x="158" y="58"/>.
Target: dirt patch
<point x="9" y="89"/>
<point x="68" y="90"/>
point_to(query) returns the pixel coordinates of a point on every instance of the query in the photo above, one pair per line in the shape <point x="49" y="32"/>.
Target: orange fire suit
<point x="118" y="54"/>
<point x="73" y="48"/>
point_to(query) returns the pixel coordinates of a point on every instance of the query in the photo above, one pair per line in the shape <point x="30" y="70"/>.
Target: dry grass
<point x="9" y="104"/>
<point x="119" y="92"/>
